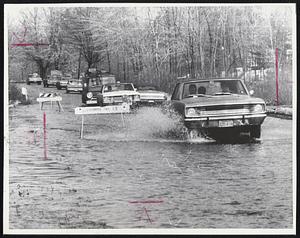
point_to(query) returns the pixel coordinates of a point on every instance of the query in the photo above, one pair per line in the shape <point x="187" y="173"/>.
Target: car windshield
<point x="213" y="88"/>
<point x="144" y="88"/>
<point x="117" y="87"/>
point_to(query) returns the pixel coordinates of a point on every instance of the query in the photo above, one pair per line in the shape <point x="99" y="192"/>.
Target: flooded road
<point x="140" y="173"/>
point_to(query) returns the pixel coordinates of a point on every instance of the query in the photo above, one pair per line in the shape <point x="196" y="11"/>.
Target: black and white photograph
<point x="139" y="118"/>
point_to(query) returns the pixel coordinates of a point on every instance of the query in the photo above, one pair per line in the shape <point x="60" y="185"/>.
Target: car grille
<point x="118" y="99"/>
<point x="151" y="97"/>
<point x="226" y="109"/>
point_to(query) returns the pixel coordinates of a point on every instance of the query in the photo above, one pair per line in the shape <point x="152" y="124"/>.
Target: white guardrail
<point x="123" y="108"/>
<point x="113" y="109"/>
<point x="50" y="97"/>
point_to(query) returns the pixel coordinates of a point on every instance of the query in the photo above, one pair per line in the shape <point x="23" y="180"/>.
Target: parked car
<point x="112" y="94"/>
<point x="219" y="107"/>
<point x="151" y="95"/>
<point x="51" y="80"/>
<point x="74" y="85"/>
<point x="34" y="78"/>
<point x="62" y="83"/>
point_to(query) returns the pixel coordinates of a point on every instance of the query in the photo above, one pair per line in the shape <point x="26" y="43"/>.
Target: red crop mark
<point x="30" y="44"/>
<point x="21" y="42"/>
<point x="24" y="35"/>
<point x="144" y="208"/>
<point x="147" y="201"/>
<point x="149" y="219"/>
<point x="35" y="136"/>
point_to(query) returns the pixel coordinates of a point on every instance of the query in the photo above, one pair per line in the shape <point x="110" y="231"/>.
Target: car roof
<point x="115" y="83"/>
<point x="208" y="79"/>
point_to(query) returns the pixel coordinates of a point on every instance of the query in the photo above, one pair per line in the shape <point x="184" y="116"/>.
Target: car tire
<point x="67" y="91"/>
<point x="28" y="83"/>
<point x="192" y="133"/>
<point x="39" y="83"/>
<point x="255" y="131"/>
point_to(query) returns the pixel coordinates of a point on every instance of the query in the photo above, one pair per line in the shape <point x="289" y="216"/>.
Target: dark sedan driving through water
<point x="219" y="108"/>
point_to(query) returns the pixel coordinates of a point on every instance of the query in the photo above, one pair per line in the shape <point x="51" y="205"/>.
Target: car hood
<point x="221" y="99"/>
<point x="95" y="89"/>
<point x="120" y="93"/>
<point x="150" y="92"/>
<point x="75" y="84"/>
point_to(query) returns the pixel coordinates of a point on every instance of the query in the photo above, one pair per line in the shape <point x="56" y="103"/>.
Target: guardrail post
<point x="81" y="130"/>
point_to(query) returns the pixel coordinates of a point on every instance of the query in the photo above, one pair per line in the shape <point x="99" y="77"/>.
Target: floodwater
<point x="139" y="172"/>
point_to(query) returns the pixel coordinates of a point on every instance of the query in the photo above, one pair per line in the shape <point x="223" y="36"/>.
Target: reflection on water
<point x="88" y="183"/>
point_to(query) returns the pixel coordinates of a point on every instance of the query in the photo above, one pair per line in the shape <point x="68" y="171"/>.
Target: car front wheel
<point x="39" y="83"/>
<point x="255" y="131"/>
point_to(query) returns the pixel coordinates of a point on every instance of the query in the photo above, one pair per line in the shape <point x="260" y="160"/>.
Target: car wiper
<point x="223" y="93"/>
<point x="202" y="95"/>
<point x="197" y="95"/>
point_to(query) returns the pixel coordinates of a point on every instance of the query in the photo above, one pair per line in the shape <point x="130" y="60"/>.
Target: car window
<point x="95" y="82"/>
<point x="176" y="93"/>
<point x="117" y="87"/>
<point x="213" y="88"/>
<point x="144" y="88"/>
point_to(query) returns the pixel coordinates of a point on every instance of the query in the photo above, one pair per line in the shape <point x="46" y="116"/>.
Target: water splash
<point x="152" y="124"/>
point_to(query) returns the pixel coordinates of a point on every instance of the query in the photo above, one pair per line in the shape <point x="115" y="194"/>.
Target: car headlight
<point x="191" y="112"/>
<point x="258" y="108"/>
<point x="89" y="95"/>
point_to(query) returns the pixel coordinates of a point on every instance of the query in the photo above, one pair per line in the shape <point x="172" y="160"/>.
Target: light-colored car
<point x="219" y="108"/>
<point x="62" y="83"/>
<point x="34" y="78"/>
<point x="112" y="94"/>
<point x="74" y="85"/>
<point x="151" y="95"/>
<point x="51" y="80"/>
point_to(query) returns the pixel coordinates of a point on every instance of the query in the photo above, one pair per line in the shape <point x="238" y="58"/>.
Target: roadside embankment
<point x="17" y="96"/>
<point x="283" y="111"/>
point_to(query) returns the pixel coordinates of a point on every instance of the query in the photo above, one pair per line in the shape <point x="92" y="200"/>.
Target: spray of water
<point x="157" y="122"/>
<point x="149" y="124"/>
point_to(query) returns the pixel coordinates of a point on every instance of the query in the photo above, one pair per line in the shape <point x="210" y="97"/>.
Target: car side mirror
<point x="251" y="92"/>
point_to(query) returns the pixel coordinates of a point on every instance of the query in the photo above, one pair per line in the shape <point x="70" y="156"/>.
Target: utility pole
<point x="276" y="75"/>
<point x="79" y="62"/>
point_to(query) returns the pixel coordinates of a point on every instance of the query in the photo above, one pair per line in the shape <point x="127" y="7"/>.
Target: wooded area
<point x="157" y="45"/>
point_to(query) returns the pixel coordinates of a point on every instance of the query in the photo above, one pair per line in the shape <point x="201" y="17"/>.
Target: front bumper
<point x="74" y="89"/>
<point x="225" y="121"/>
<point x="151" y="101"/>
<point x="91" y="102"/>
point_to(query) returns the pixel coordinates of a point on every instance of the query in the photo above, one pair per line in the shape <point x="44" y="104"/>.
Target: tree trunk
<point x="79" y="64"/>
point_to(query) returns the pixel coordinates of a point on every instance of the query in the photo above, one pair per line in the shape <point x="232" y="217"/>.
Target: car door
<point x="177" y="105"/>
